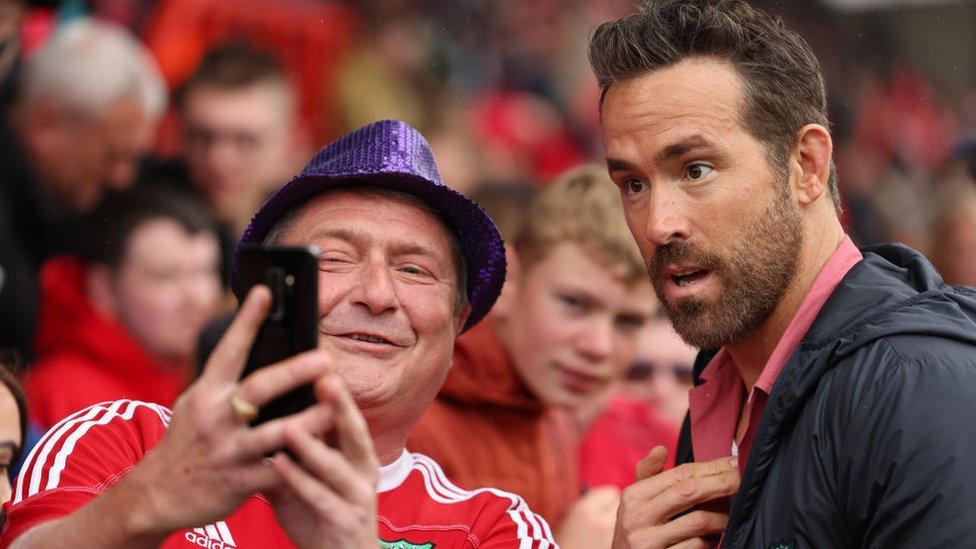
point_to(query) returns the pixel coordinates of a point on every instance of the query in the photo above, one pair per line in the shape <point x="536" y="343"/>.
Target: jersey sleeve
<point x="518" y="526"/>
<point x="79" y="458"/>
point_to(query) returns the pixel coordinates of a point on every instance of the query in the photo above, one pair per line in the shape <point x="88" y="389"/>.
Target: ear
<point x="513" y="274"/>
<point x="462" y="318"/>
<point x="813" y="153"/>
<point x="100" y="290"/>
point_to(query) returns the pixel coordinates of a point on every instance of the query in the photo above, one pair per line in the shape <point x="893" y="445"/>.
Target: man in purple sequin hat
<point x="391" y="155"/>
<point x="407" y="264"/>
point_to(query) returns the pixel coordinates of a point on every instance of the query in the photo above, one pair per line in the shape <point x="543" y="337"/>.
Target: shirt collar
<point x="393" y="475"/>
<point x="840" y="262"/>
<point x="837" y="266"/>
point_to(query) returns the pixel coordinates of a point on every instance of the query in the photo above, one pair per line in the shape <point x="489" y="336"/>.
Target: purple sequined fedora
<point x="391" y="154"/>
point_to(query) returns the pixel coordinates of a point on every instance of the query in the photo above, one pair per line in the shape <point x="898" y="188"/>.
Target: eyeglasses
<point x="645" y="370"/>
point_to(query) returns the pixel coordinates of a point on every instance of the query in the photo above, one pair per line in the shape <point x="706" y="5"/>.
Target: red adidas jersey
<point x="87" y="452"/>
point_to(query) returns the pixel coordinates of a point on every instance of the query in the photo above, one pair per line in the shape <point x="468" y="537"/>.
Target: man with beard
<point x="828" y="397"/>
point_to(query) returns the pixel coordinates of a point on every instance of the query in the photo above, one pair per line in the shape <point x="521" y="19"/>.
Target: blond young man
<point x="563" y="330"/>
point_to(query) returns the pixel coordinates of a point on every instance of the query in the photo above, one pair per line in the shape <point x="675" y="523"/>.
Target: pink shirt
<point x="715" y="404"/>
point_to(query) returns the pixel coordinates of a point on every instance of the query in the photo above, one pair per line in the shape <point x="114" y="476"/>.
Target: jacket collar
<point x="885" y="294"/>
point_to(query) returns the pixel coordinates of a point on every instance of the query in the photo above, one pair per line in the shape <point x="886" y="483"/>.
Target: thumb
<point x="604" y="497"/>
<point x="653" y="462"/>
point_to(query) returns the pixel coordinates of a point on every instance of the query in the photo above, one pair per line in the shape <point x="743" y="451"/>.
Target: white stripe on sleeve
<point x="69" y="431"/>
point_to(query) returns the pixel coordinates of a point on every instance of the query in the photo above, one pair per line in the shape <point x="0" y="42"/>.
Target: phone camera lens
<point x="276" y="282"/>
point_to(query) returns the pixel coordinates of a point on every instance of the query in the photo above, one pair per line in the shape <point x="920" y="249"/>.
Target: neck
<point x="751" y="353"/>
<point x="388" y="442"/>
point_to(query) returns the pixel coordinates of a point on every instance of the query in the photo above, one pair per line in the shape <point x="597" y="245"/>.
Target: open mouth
<point x="365" y="338"/>
<point x="362" y="343"/>
<point x="688" y="277"/>
<point x="368" y="338"/>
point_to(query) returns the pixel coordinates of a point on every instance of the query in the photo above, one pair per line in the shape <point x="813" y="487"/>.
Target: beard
<point x="754" y="275"/>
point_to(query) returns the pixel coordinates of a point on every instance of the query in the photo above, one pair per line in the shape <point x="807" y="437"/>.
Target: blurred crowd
<point x="139" y="136"/>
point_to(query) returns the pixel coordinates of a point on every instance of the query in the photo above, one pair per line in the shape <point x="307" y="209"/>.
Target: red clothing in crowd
<point x="85" y="357"/>
<point x="619" y="438"/>
<point x="486" y="429"/>
<point x="84" y="455"/>
<point x="715" y="405"/>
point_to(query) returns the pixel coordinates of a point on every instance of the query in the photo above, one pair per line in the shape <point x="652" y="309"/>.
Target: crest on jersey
<point x="404" y="544"/>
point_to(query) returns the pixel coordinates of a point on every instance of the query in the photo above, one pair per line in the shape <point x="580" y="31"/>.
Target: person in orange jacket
<point x="562" y="332"/>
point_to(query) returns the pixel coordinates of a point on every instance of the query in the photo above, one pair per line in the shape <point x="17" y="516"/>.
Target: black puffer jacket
<point x="868" y="438"/>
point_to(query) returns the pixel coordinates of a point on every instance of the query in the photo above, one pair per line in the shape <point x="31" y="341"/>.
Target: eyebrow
<point x="669" y="152"/>
<point x="618" y="165"/>
<point x="684" y="146"/>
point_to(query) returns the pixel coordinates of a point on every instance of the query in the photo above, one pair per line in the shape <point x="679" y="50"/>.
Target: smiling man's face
<point x="387" y="287"/>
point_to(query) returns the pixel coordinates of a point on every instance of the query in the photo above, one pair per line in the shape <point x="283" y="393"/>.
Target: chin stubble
<point x="754" y="277"/>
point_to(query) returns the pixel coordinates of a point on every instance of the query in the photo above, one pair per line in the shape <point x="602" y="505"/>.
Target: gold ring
<point x="244" y="411"/>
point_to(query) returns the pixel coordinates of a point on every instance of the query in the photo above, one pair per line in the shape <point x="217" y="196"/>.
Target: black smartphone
<point x="292" y="323"/>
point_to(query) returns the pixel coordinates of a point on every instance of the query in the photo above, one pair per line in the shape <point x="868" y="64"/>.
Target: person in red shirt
<point x="646" y="410"/>
<point x="121" y="318"/>
<point x="406" y="264"/>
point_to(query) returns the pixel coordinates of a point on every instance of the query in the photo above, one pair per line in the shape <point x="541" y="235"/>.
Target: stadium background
<point x="504" y="92"/>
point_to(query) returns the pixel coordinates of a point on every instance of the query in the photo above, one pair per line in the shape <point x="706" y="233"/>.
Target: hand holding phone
<point x="291" y="326"/>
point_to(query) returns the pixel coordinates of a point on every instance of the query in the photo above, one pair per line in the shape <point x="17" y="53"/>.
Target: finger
<point x="693" y="543"/>
<point x="604" y="497"/>
<point x="255" y="443"/>
<point x="353" y="434"/>
<point x="256" y="477"/>
<point x="329" y="467"/>
<point x="305" y="486"/>
<point x="653" y="462"/>
<point x="269" y="382"/>
<point x="689" y="492"/>
<point x="654" y="485"/>
<point x="694" y="525"/>
<point x="228" y="358"/>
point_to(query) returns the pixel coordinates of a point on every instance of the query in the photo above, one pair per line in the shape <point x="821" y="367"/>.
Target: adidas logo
<point x="213" y="536"/>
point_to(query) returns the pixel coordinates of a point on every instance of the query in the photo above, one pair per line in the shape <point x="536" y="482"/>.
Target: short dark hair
<point x="782" y="79"/>
<point x="107" y="228"/>
<point x="233" y="66"/>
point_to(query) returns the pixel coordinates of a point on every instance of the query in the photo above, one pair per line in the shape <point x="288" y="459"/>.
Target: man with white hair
<point x="85" y="113"/>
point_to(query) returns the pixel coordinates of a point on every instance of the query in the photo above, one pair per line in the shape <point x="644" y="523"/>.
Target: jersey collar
<point x="393" y="475"/>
